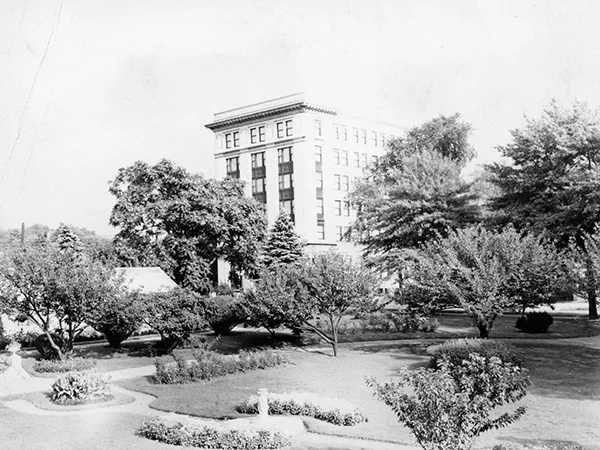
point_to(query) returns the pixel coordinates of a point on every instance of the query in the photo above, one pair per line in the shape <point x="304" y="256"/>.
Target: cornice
<point x="295" y="107"/>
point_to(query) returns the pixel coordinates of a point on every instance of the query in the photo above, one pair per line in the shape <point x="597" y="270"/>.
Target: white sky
<point x="106" y="83"/>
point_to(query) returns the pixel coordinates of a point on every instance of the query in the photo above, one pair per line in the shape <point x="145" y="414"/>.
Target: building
<point x="301" y="157"/>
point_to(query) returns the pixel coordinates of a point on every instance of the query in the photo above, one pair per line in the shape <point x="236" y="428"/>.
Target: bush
<point x="540" y="446"/>
<point x="208" y="364"/>
<point x="451" y="406"/>
<point x="535" y="322"/>
<point x="26" y="339"/>
<point x="4" y="364"/>
<point x="458" y="350"/>
<point x="42" y="344"/>
<point x="76" y="388"/>
<point x="223" y="313"/>
<point x="68" y="365"/>
<point x="118" y="316"/>
<point x="336" y="411"/>
<point x="183" y="430"/>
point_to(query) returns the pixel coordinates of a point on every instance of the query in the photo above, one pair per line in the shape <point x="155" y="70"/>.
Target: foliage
<point x="46" y="349"/>
<point x="283" y="245"/>
<point x="117" y="316"/>
<point x="174" y="315"/>
<point x="332" y="410"/>
<point x="80" y="387"/>
<point x="4" y="364"/>
<point x="208" y="364"/>
<point x="535" y="322"/>
<point x="451" y="406"/>
<point x="542" y="445"/>
<point x="415" y="191"/>
<point x="68" y="365"/>
<point x="26" y="339"/>
<point x="184" y="222"/>
<point x="397" y="321"/>
<point x="192" y="432"/>
<point x="224" y="312"/>
<point x="552" y="183"/>
<point x="456" y="351"/>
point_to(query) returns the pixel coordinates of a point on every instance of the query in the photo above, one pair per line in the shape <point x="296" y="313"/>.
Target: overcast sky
<point x="89" y="86"/>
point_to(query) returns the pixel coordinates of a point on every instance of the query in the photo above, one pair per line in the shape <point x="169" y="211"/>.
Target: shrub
<point x="223" y="313"/>
<point x="548" y="445"/>
<point x="208" y="364"/>
<point x="26" y="339"/>
<point x="186" y="431"/>
<point x="4" y="364"/>
<point x="68" y="365"/>
<point x="336" y="411"/>
<point x="80" y="387"/>
<point x="535" y="322"/>
<point x="117" y="316"/>
<point x="458" y="350"/>
<point x="42" y="344"/>
<point x="451" y="406"/>
<point x="412" y="321"/>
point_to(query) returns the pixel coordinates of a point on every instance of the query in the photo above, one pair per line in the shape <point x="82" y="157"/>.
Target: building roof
<point x="146" y="279"/>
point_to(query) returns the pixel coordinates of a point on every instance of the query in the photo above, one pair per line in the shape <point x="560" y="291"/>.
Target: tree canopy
<point x="184" y="222"/>
<point x="283" y="245"/>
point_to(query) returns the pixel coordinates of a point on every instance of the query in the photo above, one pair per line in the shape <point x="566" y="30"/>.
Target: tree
<point x="185" y="223"/>
<point x="415" y="191"/>
<point x="67" y="239"/>
<point x="552" y="181"/>
<point x="283" y="245"/>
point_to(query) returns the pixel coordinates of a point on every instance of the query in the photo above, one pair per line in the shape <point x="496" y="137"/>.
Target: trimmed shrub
<point x="458" y="350"/>
<point x="183" y="430"/>
<point x="535" y="322"/>
<point x="208" y="364"/>
<point x="335" y="411"/>
<point x="42" y="344"/>
<point x="223" y="313"/>
<point x="76" y="388"/>
<point x="68" y="365"/>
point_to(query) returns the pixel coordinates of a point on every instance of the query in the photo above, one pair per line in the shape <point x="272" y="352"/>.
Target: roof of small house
<point x="146" y="279"/>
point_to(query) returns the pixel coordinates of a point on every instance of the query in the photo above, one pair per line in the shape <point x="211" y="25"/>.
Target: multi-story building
<point x="298" y="156"/>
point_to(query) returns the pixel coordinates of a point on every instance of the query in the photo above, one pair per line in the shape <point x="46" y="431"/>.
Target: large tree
<point x="415" y="190"/>
<point x="184" y="222"/>
<point x="283" y="245"/>
<point x="551" y="183"/>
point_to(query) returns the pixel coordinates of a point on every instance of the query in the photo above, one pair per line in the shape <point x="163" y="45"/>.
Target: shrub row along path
<point x="140" y="406"/>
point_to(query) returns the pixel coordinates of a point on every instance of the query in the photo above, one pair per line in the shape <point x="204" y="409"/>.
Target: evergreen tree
<point x="67" y="239"/>
<point x="283" y="245"/>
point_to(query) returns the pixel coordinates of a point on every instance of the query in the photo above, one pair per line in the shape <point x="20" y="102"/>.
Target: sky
<point x="88" y="87"/>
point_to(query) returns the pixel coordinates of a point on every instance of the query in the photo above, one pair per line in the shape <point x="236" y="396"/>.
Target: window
<point x="345" y="131"/>
<point x="258" y="185"/>
<point x="261" y="134"/>
<point x="345" y="183"/>
<point x="320" y="208"/>
<point x="258" y="160"/>
<point x="356" y="159"/>
<point x="338" y="207"/>
<point x="336" y="130"/>
<point x="288" y="128"/>
<point x="375" y="138"/>
<point x="365" y="160"/>
<point x="374" y="159"/>
<point x="336" y="157"/>
<point x="338" y="182"/>
<point x="253" y="135"/>
<point x="318" y="129"/>
<point x="346" y="207"/>
<point x="320" y="231"/>
<point x="382" y="139"/>
<point x="364" y="136"/>
<point x="279" y="130"/>
<point x="228" y="140"/>
<point x="319" y="180"/>
<point x="236" y="138"/>
<point x="286" y="181"/>
<point x="232" y="165"/>
<point x="284" y="155"/>
<point x="287" y="206"/>
<point x="318" y="153"/>
<point x="339" y="233"/>
<point x="355" y="134"/>
<point x="344" y="158"/>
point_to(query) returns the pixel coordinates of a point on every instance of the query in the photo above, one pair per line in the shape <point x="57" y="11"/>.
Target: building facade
<point x="303" y="158"/>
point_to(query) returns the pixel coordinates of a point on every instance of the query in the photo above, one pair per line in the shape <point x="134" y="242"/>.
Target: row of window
<point x="359" y="136"/>
<point x="284" y="129"/>
<point x="340" y="158"/>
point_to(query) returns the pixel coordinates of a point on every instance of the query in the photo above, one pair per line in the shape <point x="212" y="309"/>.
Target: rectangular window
<point x="286" y="181"/>
<point x="375" y="138"/>
<point x="288" y="128"/>
<point x="338" y="182"/>
<point x="356" y="159"/>
<point x="344" y="158"/>
<point x="319" y="180"/>
<point x="365" y="160"/>
<point x="346" y="208"/>
<point x="374" y="160"/>
<point x="228" y="140"/>
<point x="338" y="207"/>
<point x="345" y="131"/>
<point x="382" y="139"/>
<point x="336" y="157"/>
<point x="236" y="138"/>
<point x="232" y="166"/>
<point x="320" y="231"/>
<point x="258" y="160"/>
<point x="253" y="135"/>
<point x="336" y="130"/>
<point x="318" y="129"/>
<point x="287" y="206"/>
<point x="339" y="233"/>
<point x="355" y="134"/>
<point x="320" y="208"/>
<point x="364" y="136"/>
<point x="258" y="185"/>
<point x="261" y="134"/>
<point x="345" y="183"/>
<point x="279" y="130"/>
<point x="284" y="155"/>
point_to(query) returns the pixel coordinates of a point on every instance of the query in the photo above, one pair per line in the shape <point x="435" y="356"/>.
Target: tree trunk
<point x="59" y="352"/>
<point x="590" y="275"/>
<point x="334" y="342"/>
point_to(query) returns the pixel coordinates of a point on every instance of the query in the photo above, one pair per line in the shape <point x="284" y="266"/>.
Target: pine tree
<point x="67" y="239"/>
<point x="283" y="245"/>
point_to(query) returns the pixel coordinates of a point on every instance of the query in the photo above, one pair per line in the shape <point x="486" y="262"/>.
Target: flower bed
<point x="184" y="430"/>
<point x="336" y="411"/>
<point x="69" y="365"/>
<point x="76" y="388"/>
